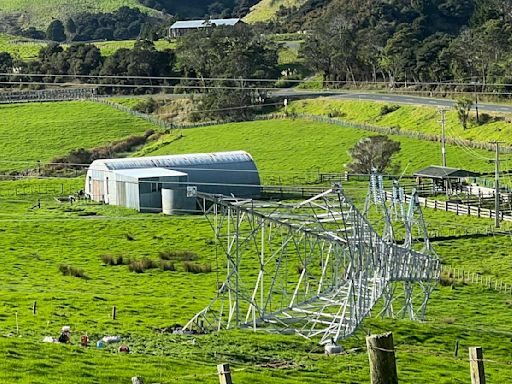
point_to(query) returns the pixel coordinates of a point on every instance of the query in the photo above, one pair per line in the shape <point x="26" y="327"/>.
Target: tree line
<point x="124" y="23"/>
<point x="229" y="53"/>
<point x="399" y="41"/>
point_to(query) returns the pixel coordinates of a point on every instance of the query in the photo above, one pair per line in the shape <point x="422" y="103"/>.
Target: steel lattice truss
<point x="315" y="268"/>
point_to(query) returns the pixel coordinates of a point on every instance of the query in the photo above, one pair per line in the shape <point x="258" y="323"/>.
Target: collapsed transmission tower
<point x="405" y="217"/>
<point x="314" y="268"/>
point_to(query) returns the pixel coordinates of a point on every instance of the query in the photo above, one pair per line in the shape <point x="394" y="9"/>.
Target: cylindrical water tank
<point x="176" y="202"/>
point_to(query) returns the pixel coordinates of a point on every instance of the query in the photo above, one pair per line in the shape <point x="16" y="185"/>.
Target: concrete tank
<point x="176" y="202"/>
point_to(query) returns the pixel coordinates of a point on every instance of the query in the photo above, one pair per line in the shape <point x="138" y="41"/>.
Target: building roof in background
<point x="190" y="24"/>
<point x="142" y="173"/>
<point x="438" y="172"/>
<point x="174" y="161"/>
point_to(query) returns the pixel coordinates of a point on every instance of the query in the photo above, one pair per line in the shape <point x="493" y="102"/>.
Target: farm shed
<point x="140" y="183"/>
<point x="444" y="179"/>
<point x="179" y="28"/>
<point x="141" y="189"/>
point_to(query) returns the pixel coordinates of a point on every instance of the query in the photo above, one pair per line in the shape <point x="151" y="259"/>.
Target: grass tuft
<point x="177" y="255"/>
<point x="196" y="268"/>
<point x="68" y="270"/>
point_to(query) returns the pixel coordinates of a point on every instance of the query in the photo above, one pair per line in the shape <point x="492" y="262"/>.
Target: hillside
<point x="266" y="10"/>
<point x="43" y="131"/>
<point x="39" y="13"/>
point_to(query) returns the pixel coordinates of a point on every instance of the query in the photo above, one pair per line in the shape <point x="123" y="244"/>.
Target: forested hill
<point x="200" y="8"/>
<point x="399" y="40"/>
<point x="432" y="15"/>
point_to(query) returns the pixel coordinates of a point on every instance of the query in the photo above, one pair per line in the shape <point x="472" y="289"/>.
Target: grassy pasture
<point x="266" y="10"/>
<point x="17" y="47"/>
<point x="29" y="49"/>
<point x="31" y="132"/>
<point x="407" y="117"/>
<point x="302" y="147"/>
<point x="39" y="13"/>
<point x="35" y="242"/>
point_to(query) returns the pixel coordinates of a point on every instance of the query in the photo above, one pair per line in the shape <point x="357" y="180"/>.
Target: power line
<point x="244" y="79"/>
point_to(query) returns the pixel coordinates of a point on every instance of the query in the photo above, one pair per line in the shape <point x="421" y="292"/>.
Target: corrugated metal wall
<point x="221" y="173"/>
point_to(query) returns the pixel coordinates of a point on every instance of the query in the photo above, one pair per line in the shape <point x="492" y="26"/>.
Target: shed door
<point x="121" y="193"/>
<point x="97" y="190"/>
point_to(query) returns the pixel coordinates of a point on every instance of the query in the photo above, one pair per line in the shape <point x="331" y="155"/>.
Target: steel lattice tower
<point x="315" y="268"/>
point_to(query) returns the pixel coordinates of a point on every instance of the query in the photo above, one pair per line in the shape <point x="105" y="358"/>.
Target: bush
<point x="388" y="109"/>
<point x="147" y="106"/>
<point x="177" y="255"/>
<point x="336" y="113"/>
<point x="68" y="270"/>
<point x="196" y="268"/>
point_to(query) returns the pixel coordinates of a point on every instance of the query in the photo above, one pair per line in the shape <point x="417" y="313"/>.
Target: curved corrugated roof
<point x="175" y="160"/>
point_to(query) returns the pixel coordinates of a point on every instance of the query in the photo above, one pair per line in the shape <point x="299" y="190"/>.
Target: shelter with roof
<point x="159" y="183"/>
<point x="179" y="28"/>
<point x="443" y="179"/>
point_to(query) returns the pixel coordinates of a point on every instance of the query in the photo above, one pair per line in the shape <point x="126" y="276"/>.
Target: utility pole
<point x="497" y="185"/>
<point x="443" y="135"/>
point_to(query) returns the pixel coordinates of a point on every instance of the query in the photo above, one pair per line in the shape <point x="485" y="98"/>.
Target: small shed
<point x="179" y="28"/>
<point x="141" y="188"/>
<point x="444" y="179"/>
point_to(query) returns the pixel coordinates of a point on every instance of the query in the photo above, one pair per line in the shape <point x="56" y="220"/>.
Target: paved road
<point x="396" y="99"/>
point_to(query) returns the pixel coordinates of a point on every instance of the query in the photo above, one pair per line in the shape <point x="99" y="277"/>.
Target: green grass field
<point x="39" y="13"/>
<point x="301" y="146"/>
<point x="19" y="48"/>
<point x="29" y="49"/>
<point x="32" y="132"/>
<point x="266" y="10"/>
<point x="35" y="241"/>
<point x="407" y="117"/>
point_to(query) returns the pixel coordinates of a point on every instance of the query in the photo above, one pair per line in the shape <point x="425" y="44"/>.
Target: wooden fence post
<point x="476" y="365"/>
<point x="224" y="374"/>
<point x="114" y="312"/>
<point x="34" y="307"/>
<point x="381" y="354"/>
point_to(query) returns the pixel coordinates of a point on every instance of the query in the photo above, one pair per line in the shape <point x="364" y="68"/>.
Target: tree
<point x="463" y="108"/>
<point x="55" y="31"/>
<point x="371" y="153"/>
<point x="70" y="27"/>
<point x="233" y="54"/>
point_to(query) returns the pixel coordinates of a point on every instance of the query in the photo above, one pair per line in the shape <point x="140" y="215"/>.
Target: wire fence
<point x="455" y="275"/>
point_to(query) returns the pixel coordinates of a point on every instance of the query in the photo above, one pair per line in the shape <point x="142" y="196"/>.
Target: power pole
<point x="443" y="135"/>
<point x="497" y="185"/>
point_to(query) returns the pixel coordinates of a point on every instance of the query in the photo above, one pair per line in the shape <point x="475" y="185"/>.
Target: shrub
<point x="177" y="255"/>
<point x="196" y="268"/>
<point x="147" y="106"/>
<point x="336" y="113"/>
<point x="68" y="270"/>
<point x="388" y="109"/>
